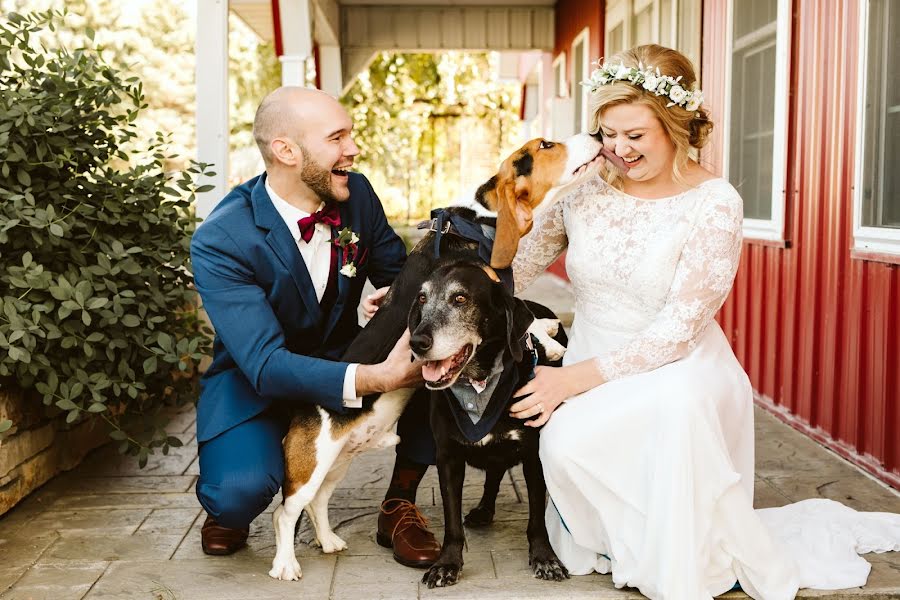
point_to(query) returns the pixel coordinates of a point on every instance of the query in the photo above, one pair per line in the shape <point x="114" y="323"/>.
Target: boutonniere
<point x="351" y="258"/>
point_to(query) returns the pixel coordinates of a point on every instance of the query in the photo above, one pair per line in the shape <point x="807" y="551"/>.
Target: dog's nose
<point x="420" y="343"/>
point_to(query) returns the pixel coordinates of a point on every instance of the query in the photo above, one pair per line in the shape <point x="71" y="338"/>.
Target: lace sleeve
<point x="540" y="246"/>
<point x="703" y="277"/>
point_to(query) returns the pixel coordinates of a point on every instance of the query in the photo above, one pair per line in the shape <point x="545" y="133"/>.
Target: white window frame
<point x="884" y="240"/>
<point x="762" y="229"/>
<point x="617" y="13"/>
<point x="559" y="75"/>
<point x="583" y="37"/>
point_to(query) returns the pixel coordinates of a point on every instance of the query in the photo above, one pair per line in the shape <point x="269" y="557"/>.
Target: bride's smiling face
<point x="634" y="133"/>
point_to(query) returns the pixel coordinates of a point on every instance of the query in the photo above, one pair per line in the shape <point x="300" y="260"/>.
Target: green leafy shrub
<point x="98" y="313"/>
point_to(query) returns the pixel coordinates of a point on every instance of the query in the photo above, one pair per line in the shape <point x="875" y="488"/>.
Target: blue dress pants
<point x="242" y="469"/>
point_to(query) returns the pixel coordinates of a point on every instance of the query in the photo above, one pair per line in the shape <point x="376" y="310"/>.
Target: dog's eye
<point x="421" y="298"/>
<point x="460" y="299"/>
<point x="545" y="145"/>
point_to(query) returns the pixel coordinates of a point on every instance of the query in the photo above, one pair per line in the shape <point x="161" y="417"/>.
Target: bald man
<point x="284" y="308"/>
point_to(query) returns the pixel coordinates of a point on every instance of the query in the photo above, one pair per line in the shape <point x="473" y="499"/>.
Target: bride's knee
<point x="559" y="444"/>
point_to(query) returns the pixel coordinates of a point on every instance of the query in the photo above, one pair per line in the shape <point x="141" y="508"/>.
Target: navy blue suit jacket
<point x="273" y="343"/>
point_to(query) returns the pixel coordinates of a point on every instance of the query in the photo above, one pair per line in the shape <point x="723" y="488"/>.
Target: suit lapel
<point x="282" y="243"/>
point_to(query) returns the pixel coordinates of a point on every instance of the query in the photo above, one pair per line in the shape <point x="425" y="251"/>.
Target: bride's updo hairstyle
<point x="686" y="128"/>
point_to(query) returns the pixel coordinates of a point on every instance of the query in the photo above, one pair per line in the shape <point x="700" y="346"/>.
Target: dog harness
<point x="443" y="222"/>
<point x="475" y="413"/>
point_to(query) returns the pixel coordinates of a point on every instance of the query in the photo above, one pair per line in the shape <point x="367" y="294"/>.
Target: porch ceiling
<point x="361" y="28"/>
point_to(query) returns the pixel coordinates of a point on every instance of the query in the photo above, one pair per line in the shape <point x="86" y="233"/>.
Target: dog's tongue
<point x="433" y="370"/>
<point x="615" y="159"/>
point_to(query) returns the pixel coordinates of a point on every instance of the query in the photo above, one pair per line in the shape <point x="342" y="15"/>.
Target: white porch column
<point x="212" y="99"/>
<point x="296" y="36"/>
<point x="293" y="70"/>
<point x="330" y="75"/>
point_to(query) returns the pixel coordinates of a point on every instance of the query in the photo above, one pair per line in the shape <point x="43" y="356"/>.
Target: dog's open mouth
<point x="441" y="373"/>
<point x="580" y="169"/>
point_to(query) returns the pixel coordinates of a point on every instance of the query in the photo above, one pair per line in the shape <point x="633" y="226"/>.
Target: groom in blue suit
<point x="283" y="300"/>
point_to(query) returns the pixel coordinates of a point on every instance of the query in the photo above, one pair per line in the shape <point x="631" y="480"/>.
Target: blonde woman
<point x="647" y="443"/>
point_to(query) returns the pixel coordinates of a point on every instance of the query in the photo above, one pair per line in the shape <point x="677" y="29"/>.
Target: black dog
<point x="472" y="333"/>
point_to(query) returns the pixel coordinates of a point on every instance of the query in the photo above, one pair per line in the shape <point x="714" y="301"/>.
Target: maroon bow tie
<point x="329" y="215"/>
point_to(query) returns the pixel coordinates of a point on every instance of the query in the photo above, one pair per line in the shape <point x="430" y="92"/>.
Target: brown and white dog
<point x="320" y="445"/>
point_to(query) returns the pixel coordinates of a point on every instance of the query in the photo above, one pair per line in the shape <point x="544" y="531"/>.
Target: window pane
<point x="881" y="178"/>
<point x="558" y="79"/>
<point x="616" y="41"/>
<point x="753" y="107"/>
<point x="665" y="24"/>
<point x="642" y="27"/>
<point x="578" y="77"/>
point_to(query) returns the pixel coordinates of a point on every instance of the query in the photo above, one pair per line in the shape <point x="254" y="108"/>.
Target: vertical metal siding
<point x="817" y="331"/>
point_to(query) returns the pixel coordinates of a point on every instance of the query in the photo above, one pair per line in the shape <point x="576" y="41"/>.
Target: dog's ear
<point x="518" y="319"/>
<point x="514" y="219"/>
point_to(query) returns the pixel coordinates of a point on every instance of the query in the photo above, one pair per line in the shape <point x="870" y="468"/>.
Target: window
<point x="671" y="23"/>
<point x="580" y="65"/>
<point x="756" y="111"/>
<point x="876" y="222"/>
<point x="559" y="76"/>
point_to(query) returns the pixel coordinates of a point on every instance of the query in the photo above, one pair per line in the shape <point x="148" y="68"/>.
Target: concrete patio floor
<point x="110" y="530"/>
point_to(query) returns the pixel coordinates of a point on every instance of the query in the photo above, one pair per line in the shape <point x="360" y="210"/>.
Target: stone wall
<point x="38" y="447"/>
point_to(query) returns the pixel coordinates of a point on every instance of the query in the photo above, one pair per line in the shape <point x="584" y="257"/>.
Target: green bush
<point x="98" y="315"/>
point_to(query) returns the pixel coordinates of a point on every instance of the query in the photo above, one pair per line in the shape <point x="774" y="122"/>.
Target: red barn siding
<point x="817" y="331"/>
<point x="571" y="17"/>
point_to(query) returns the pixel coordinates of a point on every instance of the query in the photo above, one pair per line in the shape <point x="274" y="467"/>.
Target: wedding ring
<point x="540" y="408"/>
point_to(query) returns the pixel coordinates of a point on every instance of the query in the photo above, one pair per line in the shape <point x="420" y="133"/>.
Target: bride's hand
<point x="548" y="389"/>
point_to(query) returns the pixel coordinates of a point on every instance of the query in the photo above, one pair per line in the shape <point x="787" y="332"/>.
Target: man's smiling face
<point x="328" y="151"/>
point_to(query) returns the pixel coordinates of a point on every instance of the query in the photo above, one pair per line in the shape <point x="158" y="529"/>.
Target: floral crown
<point x="648" y="78"/>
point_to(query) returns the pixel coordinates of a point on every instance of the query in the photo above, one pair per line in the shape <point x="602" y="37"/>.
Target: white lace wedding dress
<point x="651" y="474"/>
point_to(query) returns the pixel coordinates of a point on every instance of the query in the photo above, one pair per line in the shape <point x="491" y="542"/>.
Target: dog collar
<point x="443" y="222"/>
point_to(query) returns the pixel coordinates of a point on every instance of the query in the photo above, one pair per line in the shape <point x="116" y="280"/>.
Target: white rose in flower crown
<point x="622" y="72"/>
<point x="677" y="94"/>
<point x="348" y="270"/>
<point x="695" y="101"/>
<point x="354" y="238"/>
<point x="650" y="83"/>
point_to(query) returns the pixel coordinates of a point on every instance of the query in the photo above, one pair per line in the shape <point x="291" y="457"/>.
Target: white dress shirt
<point x="316" y="255"/>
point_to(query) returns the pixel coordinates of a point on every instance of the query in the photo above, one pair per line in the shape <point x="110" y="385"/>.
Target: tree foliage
<point x="98" y="314"/>
<point x="430" y="126"/>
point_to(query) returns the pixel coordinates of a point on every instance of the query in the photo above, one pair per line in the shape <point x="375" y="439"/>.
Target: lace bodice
<point x="655" y="271"/>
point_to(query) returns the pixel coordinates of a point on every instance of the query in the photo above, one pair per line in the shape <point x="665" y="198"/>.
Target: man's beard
<point x="316" y="178"/>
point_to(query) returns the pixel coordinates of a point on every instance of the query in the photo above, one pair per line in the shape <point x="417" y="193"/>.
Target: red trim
<point x="276" y="26"/>
<point x="558" y="267"/>
<point x="318" y="66"/>
<point x="522" y="103"/>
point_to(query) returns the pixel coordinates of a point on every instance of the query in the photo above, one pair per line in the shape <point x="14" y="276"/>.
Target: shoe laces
<point x="409" y="517"/>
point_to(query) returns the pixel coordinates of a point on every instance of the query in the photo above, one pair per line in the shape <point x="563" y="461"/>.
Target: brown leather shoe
<point x="402" y="527"/>
<point x="219" y="541"/>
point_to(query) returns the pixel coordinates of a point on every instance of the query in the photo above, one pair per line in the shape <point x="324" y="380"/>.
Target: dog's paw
<point x="549" y="569"/>
<point x="479" y="517"/>
<point x="550" y="326"/>
<point x="554" y="350"/>
<point x="331" y="543"/>
<point x="441" y="575"/>
<point x="286" y="570"/>
<point x="387" y="440"/>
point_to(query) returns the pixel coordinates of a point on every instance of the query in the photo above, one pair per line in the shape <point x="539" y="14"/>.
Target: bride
<point x="648" y="444"/>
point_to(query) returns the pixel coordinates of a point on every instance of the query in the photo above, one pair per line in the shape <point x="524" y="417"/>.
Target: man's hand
<point x="397" y="371"/>
<point x="371" y="302"/>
